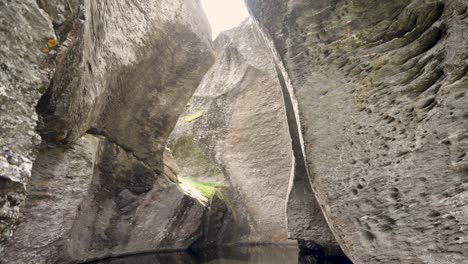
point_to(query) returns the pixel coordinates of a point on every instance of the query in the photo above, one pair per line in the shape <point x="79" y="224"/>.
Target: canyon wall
<point x="120" y="74"/>
<point x="379" y="92"/>
<point x="234" y="132"/>
<point x="342" y="124"/>
<point x="26" y="36"/>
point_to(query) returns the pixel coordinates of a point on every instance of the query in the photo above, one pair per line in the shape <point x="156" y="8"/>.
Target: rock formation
<point x="26" y="36"/>
<point x="379" y="92"/>
<point x="124" y="71"/>
<point x="234" y="132"/>
<point x="338" y="123"/>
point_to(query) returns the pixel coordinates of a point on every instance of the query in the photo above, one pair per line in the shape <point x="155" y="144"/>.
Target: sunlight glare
<point x="224" y="14"/>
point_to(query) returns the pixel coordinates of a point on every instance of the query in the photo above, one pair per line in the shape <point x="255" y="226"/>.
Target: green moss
<point x="207" y="189"/>
<point x="192" y="161"/>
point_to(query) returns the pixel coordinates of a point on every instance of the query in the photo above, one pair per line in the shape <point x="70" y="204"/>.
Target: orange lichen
<point x="52" y="43"/>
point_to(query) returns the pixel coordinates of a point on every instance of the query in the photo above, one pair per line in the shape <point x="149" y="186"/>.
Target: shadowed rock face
<point x="381" y="90"/>
<point x="235" y="132"/>
<point x="125" y="72"/>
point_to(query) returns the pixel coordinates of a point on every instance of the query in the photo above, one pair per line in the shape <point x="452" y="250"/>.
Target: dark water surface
<point x="231" y="255"/>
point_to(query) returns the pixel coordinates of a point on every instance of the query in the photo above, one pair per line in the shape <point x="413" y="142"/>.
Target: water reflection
<point x="233" y="255"/>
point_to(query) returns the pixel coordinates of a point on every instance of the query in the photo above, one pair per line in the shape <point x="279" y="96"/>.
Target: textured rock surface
<point x="62" y="14"/>
<point x="95" y="200"/>
<point x="234" y="131"/>
<point x="131" y="209"/>
<point x="125" y="71"/>
<point x="24" y="75"/>
<point x="60" y="180"/>
<point x="381" y="89"/>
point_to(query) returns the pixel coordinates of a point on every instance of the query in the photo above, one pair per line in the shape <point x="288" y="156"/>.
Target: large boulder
<point x="379" y="89"/>
<point x="234" y="133"/>
<point x="94" y="200"/>
<point x="124" y="72"/>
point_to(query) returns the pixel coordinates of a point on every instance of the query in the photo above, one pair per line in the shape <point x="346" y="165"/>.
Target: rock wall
<point x="113" y="78"/>
<point x="25" y="32"/>
<point x="124" y="71"/>
<point x="61" y="178"/>
<point x="234" y="132"/>
<point x="379" y="89"/>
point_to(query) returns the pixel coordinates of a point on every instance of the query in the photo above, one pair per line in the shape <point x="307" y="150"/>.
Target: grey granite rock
<point x="127" y="71"/>
<point x="380" y="95"/>
<point x="60" y="181"/>
<point x="235" y="132"/>
<point x="94" y="200"/>
<point x="24" y="75"/>
<point x="124" y="70"/>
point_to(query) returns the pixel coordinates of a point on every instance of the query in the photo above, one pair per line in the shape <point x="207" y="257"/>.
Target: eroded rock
<point x="235" y="132"/>
<point x="381" y="99"/>
<point x="124" y="71"/>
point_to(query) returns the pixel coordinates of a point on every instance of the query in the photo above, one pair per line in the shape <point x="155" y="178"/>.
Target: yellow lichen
<point x="52" y="43"/>
<point x="45" y="50"/>
<point x="192" y="116"/>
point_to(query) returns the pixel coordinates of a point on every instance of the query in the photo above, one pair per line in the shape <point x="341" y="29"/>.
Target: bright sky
<point x="224" y="14"/>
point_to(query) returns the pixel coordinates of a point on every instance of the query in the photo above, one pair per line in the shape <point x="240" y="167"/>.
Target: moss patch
<point x="206" y="189"/>
<point x="192" y="162"/>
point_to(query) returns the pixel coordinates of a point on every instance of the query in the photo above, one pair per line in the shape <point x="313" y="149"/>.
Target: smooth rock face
<point x="24" y="75"/>
<point x="381" y="90"/>
<point x="124" y="71"/>
<point x="131" y="209"/>
<point x="235" y="132"/>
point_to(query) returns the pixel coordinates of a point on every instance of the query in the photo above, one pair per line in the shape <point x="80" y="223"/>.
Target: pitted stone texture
<point x="127" y="72"/>
<point x="236" y="122"/>
<point x="24" y="75"/>
<point x="381" y="89"/>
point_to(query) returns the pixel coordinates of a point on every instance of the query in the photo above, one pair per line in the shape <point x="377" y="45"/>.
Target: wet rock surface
<point x="253" y="254"/>
<point x="379" y="89"/>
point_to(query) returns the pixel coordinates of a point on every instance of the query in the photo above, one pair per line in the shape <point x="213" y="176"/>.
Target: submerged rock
<point x="379" y="89"/>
